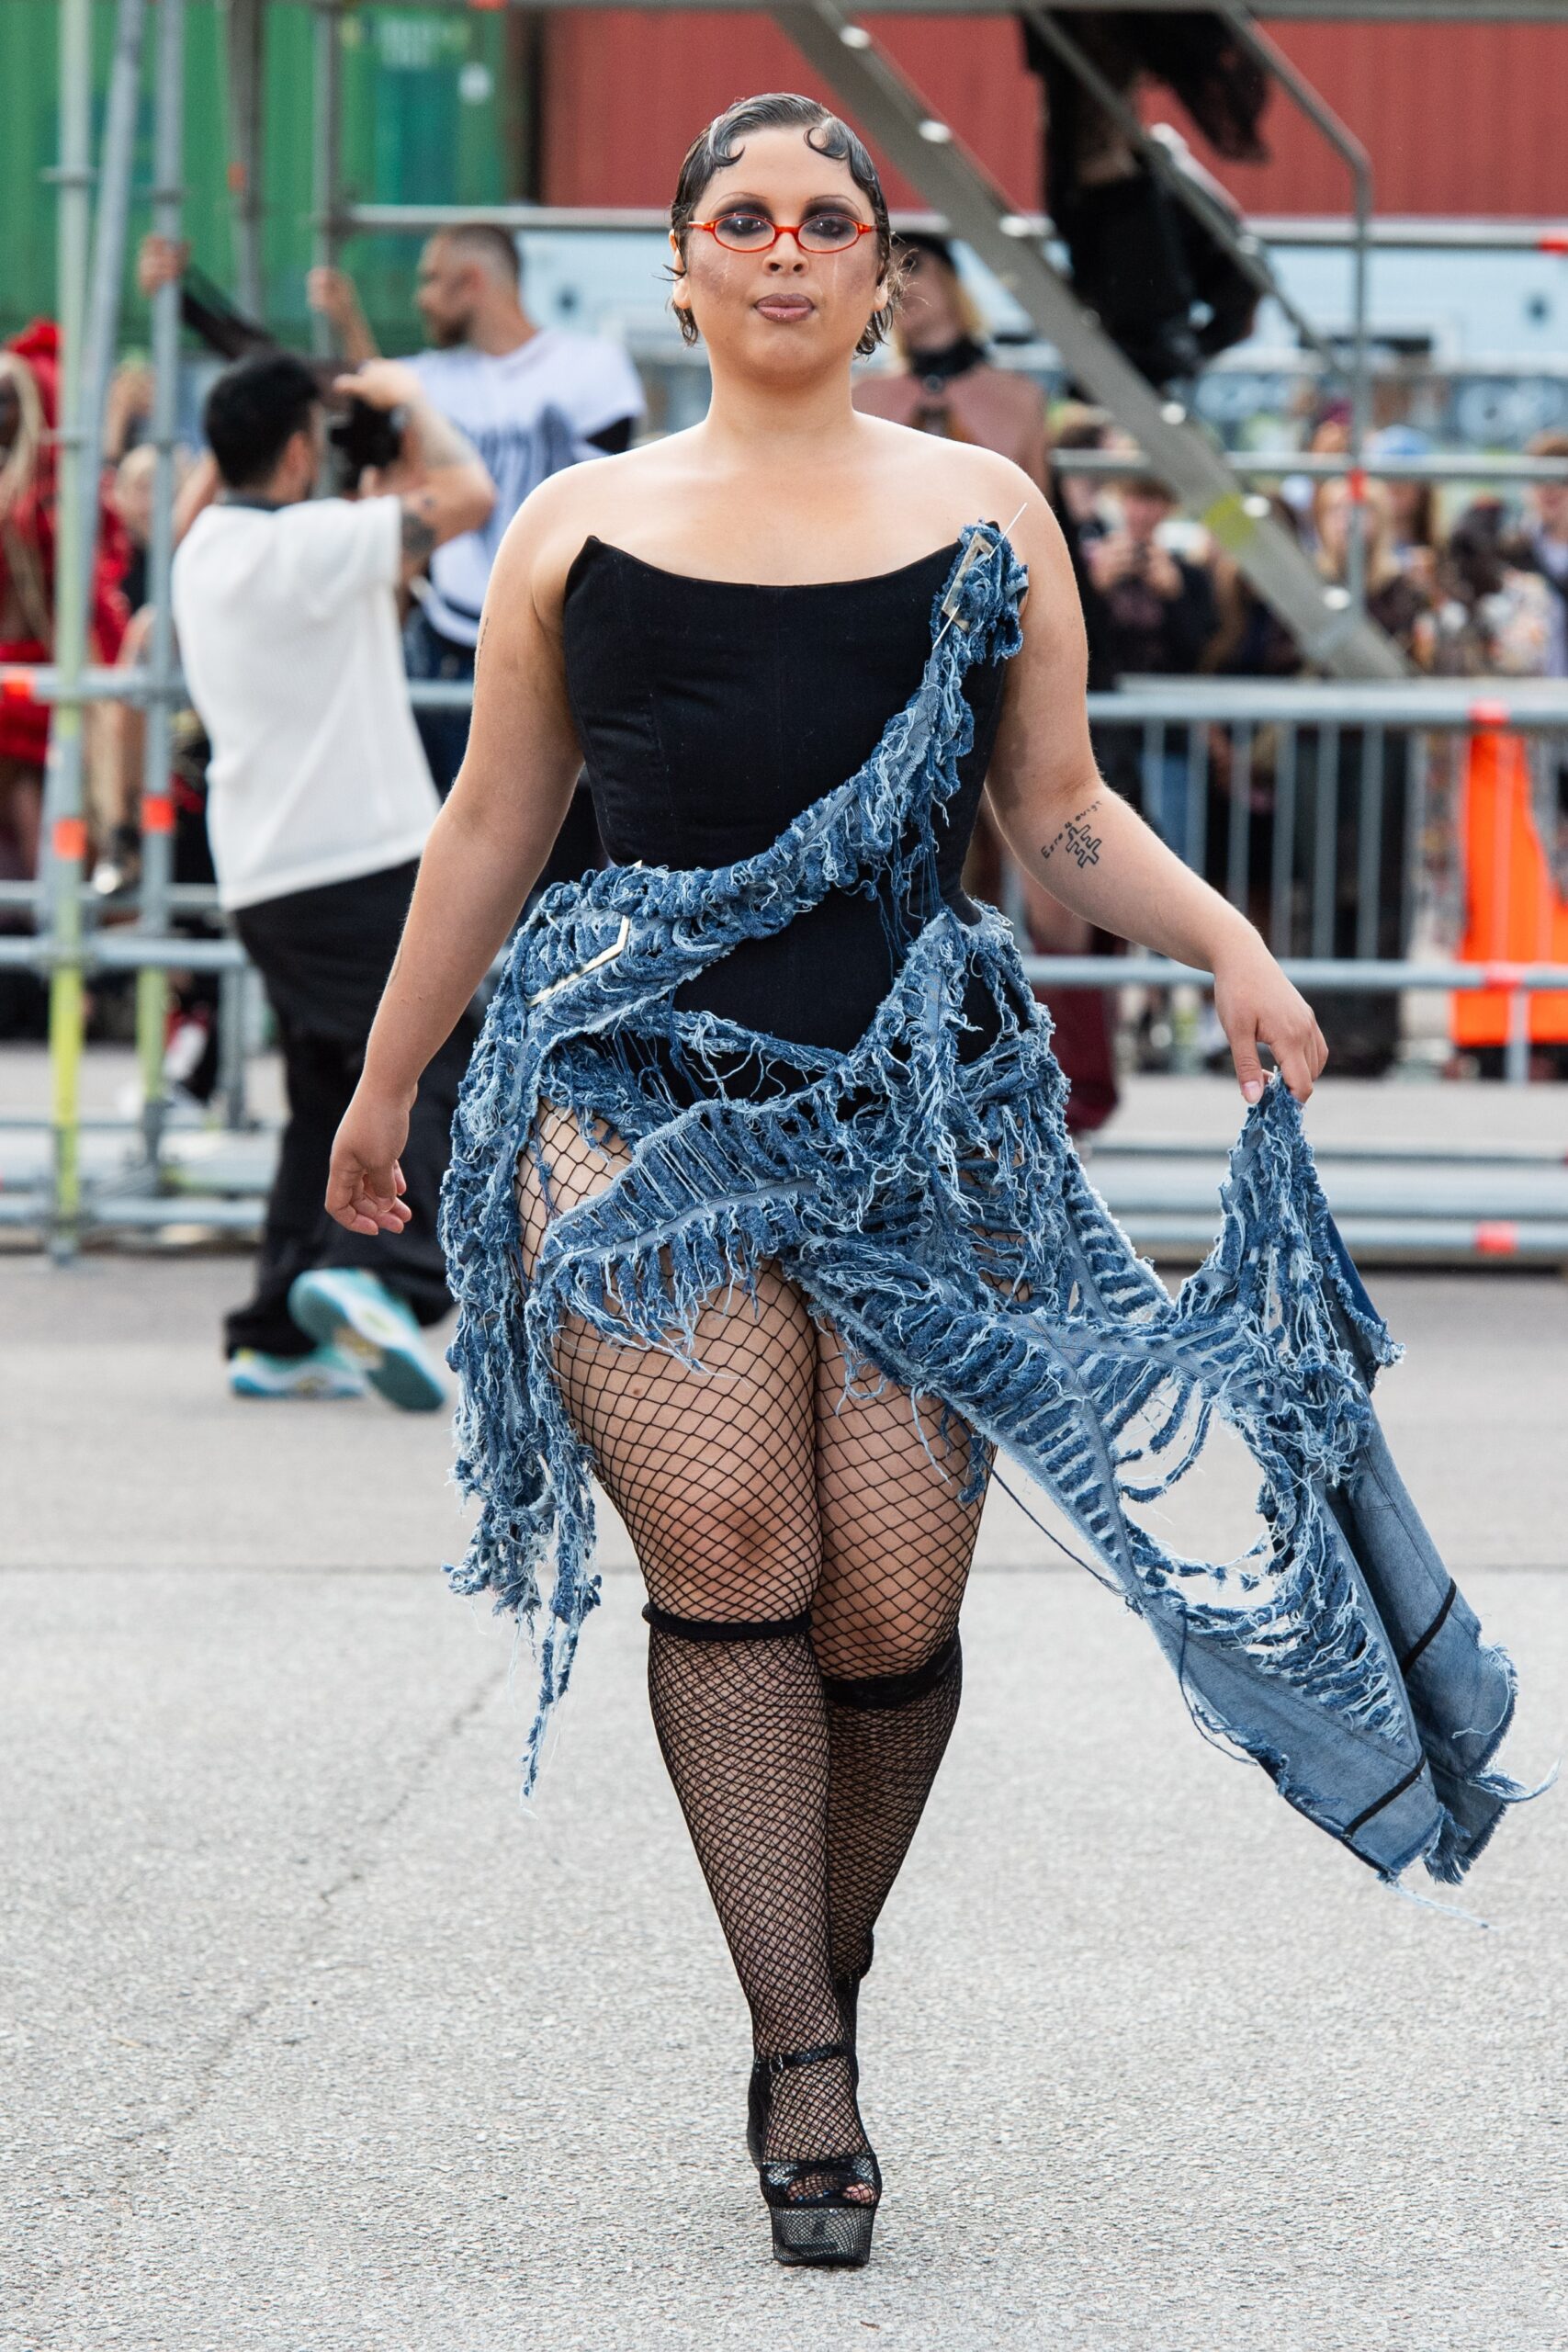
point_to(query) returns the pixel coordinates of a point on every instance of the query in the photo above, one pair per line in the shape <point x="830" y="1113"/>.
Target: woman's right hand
<point x="366" y="1186"/>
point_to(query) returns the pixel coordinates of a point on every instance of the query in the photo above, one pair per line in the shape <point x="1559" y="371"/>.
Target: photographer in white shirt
<point x="319" y="803"/>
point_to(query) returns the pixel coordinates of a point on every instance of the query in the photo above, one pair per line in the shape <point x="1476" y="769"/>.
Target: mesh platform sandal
<point x="822" y="2207"/>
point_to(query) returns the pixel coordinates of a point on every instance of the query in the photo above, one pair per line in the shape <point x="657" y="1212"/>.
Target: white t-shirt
<point x="288" y="637"/>
<point x="528" y="412"/>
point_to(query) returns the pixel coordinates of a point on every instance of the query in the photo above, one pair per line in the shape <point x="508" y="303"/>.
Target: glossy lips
<point x="785" y="308"/>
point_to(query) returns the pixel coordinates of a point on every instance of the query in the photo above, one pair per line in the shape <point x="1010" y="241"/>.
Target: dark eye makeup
<point x="754" y="205"/>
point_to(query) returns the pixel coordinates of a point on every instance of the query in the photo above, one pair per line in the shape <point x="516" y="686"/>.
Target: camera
<point x="363" y="437"/>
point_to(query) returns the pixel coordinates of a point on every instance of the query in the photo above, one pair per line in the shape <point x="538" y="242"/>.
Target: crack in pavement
<point x="139" y="2148"/>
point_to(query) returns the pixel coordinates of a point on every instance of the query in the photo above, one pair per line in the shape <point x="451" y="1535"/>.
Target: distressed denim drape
<point x="928" y="1203"/>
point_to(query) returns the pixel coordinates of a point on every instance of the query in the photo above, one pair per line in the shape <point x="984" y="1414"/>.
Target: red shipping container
<point x="1460" y="119"/>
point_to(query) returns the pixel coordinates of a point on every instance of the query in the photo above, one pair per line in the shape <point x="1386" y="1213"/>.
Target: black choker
<point x="952" y="359"/>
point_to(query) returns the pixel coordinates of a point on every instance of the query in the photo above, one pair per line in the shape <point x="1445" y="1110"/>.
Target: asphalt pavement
<point x="314" y="2039"/>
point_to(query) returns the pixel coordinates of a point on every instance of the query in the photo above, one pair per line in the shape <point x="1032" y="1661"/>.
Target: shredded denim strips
<point x="927" y="1204"/>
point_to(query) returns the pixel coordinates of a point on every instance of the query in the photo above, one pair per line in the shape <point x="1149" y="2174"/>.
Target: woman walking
<point x="761" y="1206"/>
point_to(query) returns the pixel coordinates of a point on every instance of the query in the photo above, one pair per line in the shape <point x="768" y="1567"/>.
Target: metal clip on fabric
<point x="617" y="948"/>
<point x="953" y="599"/>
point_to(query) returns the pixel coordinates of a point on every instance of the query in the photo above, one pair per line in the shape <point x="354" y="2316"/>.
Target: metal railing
<point x="1320" y="465"/>
<point x="1334" y="814"/>
<point x="1338" y="818"/>
<point x="89" y="297"/>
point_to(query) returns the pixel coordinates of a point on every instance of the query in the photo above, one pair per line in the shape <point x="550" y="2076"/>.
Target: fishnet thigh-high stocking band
<point x="897" y="1539"/>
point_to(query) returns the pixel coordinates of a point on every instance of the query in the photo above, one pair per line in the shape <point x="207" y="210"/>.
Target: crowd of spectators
<point x="1485" y="593"/>
<point x="1482" y="591"/>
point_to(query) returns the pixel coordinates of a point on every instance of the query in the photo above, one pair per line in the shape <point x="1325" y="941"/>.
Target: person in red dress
<point x="29" y="393"/>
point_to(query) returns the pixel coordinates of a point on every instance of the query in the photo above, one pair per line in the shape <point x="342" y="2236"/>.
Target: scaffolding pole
<point x="326" y="152"/>
<point x="1426" y="12"/>
<point x="65" y="832"/>
<point x="244" y="23"/>
<point x="89" y="319"/>
<point x="157" y="808"/>
<point x="102" y="335"/>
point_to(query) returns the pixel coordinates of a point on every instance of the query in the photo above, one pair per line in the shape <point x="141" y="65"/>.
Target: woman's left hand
<point x="1258" y="1006"/>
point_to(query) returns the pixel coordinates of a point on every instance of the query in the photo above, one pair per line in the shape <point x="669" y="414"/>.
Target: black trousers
<point x="323" y="957"/>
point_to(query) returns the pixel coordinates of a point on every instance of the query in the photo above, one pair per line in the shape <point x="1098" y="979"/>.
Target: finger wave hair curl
<point x="724" y="142"/>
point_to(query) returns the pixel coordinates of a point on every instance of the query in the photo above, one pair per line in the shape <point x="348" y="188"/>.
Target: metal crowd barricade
<point x="1330" y="852"/>
<point x="1334" y="813"/>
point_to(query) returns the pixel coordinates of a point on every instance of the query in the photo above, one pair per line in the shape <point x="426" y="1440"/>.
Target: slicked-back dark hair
<point x="254" y="410"/>
<point x="724" y="142"/>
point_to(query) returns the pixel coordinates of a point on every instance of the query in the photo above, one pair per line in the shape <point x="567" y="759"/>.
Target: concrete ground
<point x="313" y="2040"/>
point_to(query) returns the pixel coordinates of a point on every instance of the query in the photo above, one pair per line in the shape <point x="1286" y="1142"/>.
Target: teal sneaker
<point x="321" y="1374"/>
<point x="358" y="1316"/>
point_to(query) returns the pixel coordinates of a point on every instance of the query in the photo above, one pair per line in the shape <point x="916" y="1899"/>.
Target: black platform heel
<point x="815" y="2220"/>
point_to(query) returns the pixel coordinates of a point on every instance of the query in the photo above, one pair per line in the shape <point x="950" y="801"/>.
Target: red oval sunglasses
<point x="753" y="233"/>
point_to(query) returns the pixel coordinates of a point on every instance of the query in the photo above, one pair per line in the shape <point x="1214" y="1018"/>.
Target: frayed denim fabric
<point x="927" y="1204"/>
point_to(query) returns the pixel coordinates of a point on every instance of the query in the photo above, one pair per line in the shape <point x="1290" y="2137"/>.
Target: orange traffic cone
<point x="1515" y="913"/>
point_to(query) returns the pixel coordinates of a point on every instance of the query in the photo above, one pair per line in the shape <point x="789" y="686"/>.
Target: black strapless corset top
<point x="711" y="714"/>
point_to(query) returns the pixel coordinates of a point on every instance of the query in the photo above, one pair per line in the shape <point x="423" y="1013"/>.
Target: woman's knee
<point x="865" y="1636"/>
<point x="725" y="1561"/>
<point x="732" y="1593"/>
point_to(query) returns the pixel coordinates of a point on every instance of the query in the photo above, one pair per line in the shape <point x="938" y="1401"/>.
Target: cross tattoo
<point x="1080" y="843"/>
<point x="1078" y="838"/>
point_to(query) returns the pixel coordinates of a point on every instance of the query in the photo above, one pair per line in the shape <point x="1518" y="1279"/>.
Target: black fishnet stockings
<point x="804" y="1545"/>
<point x="886" y="1737"/>
<point x="744" y="1736"/>
<point x="897" y="1542"/>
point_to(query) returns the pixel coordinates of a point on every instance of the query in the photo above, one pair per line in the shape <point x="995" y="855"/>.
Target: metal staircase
<point x="1333" y="634"/>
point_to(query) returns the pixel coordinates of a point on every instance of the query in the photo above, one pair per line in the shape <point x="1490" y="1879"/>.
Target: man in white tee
<point x="319" y="802"/>
<point x="530" y="400"/>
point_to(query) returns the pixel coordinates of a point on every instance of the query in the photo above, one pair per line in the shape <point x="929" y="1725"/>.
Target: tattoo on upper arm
<point x="1078" y="838"/>
<point x="419" y="535"/>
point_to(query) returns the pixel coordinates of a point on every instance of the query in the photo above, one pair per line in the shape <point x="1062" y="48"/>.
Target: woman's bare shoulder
<point x="965" y="481"/>
<point x="953" y="483"/>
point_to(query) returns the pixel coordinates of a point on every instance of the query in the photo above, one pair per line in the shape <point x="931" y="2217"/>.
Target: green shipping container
<point x="437" y="109"/>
